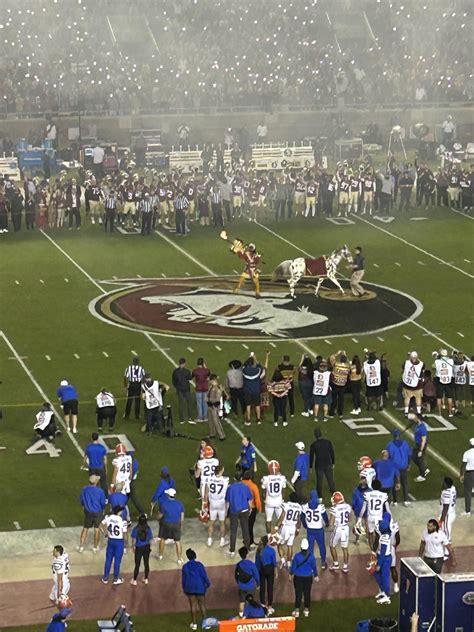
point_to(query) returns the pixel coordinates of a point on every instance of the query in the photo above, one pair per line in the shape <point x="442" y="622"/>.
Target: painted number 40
<point x="366" y="426"/>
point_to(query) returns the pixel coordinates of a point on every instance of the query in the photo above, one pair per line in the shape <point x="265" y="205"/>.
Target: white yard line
<point x="408" y="243"/>
<point x="40" y="390"/>
<point x="269" y="230"/>
<point x="460" y="334"/>
<point x="17" y="525"/>
<point x="48" y="357"/>
<point x="104" y="353"/>
<point x="51" y="523"/>
<point x="185" y="253"/>
<point x="77" y="356"/>
<point x="74" y="263"/>
<point x="460" y="213"/>
<point x="434" y="453"/>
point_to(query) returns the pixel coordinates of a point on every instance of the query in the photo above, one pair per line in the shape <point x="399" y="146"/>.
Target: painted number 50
<point x="363" y="427"/>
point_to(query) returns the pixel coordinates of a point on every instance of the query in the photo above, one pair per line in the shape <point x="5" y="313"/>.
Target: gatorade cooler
<point x="455" y="602"/>
<point x="417" y="593"/>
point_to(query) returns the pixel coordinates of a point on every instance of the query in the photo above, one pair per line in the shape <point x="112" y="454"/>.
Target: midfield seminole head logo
<point x="207" y="308"/>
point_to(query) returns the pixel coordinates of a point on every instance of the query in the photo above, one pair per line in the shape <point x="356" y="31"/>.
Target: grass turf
<point x="51" y="318"/>
<point x="330" y="616"/>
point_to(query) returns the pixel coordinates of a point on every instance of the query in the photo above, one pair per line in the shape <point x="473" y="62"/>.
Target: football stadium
<point x="236" y="333"/>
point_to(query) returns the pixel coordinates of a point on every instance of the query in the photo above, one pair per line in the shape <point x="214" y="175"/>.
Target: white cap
<point x="64" y="383"/>
<point x="413" y="354"/>
<point x="170" y="492"/>
<point x="299" y="445"/>
<point x="471" y="441"/>
<point x="304" y="544"/>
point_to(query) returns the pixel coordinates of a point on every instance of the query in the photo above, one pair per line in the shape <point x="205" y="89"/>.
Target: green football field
<point x="49" y="333"/>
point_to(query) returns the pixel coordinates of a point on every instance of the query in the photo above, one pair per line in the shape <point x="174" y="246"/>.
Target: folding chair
<point x="115" y="622"/>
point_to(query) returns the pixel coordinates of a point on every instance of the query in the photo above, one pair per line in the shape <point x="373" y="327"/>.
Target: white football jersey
<point x="314" y="517"/>
<point x="207" y="467"/>
<point x="274" y="484"/>
<point x="448" y="497"/>
<point x="116" y="526"/>
<point x="369" y="474"/>
<point x="60" y="565"/>
<point x="375" y="501"/>
<point x="123" y="463"/>
<point x="217" y="486"/>
<point x="292" y="514"/>
<point x="342" y="513"/>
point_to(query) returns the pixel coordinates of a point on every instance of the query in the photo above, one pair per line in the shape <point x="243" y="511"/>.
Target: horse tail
<point x="281" y="271"/>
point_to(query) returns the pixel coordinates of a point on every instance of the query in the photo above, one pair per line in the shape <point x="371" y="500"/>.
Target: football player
<point x="60" y="568"/>
<point x="289" y="525"/>
<point x="273" y="484"/>
<point x="205" y="467"/>
<point x="314" y="518"/>
<point x="95" y="197"/>
<point x="122" y="464"/>
<point x="448" y="507"/>
<point x="366" y="471"/>
<point x="343" y="186"/>
<point x="214" y="498"/>
<point x="376" y="503"/>
<point x="383" y="559"/>
<point x="355" y="192"/>
<point x="357" y="503"/>
<point x="339" y="517"/>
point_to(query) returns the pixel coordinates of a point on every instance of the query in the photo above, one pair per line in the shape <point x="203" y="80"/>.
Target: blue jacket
<point x="387" y="472"/>
<point x="118" y="499"/>
<point x="194" y="578"/>
<point x="247" y="456"/>
<point x="146" y="541"/>
<point x="247" y="566"/>
<point x="358" y="500"/>
<point x="400" y="453"/>
<point x="313" y="504"/>
<point x="159" y="494"/>
<point x="252" y="376"/>
<point x="56" y="624"/>
<point x="266" y="558"/>
<point x="250" y="612"/>
<point x="95" y="452"/>
<point x="304" y="565"/>
<point x="420" y="431"/>
<point x="93" y="499"/>
<point x="171" y="508"/>
<point x="301" y="465"/>
<point x="66" y="393"/>
<point x="238" y="496"/>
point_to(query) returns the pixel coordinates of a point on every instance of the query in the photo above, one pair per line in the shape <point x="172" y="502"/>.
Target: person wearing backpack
<point x="303" y="571"/>
<point x="247" y="578"/>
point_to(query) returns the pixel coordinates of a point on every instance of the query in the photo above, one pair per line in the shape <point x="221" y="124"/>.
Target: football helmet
<point x="120" y="449"/>
<point x="64" y="601"/>
<point x="363" y="462"/>
<point x="337" y="498"/>
<point x="274" y="538"/>
<point x="273" y="467"/>
<point x="203" y="515"/>
<point x="208" y="452"/>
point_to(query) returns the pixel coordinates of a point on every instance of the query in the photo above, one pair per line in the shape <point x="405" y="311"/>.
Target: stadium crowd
<point x="58" y="55"/>
<point x="292" y="504"/>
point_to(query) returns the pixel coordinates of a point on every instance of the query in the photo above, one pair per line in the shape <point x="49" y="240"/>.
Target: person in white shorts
<point x="206" y="467"/>
<point x="339" y="517"/>
<point x="289" y="525"/>
<point x="273" y="484"/>
<point x="214" y="496"/>
<point x="376" y="503"/>
<point x="122" y="473"/>
<point x="60" y="568"/>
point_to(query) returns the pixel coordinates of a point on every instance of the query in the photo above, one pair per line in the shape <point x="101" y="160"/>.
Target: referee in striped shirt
<point x="110" y="205"/>
<point x="181" y="203"/>
<point x="132" y="380"/>
<point x="145" y="207"/>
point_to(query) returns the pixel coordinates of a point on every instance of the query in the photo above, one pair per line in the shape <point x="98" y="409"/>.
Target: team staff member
<point x="300" y="469"/>
<point x="256" y="502"/>
<point x="132" y="381"/>
<point x="340" y="371"/>
<point x="247" y="460"/>
<point x="238" y="500"/>
<point x="467" y="476"/>
<point x="181" y="379"/>
<point x="358" y="273"/>
<point x="387" y="473"/>
<point x="400" y="454"/>
<point x="152" y="393"/>
<point x="421" y="443"/>
<point x="323" y="460"/>
<point x="247" y="577"/>
<point x="412" y="378"/>
<point x="142" y="537"/>
<point x="106" y="409"/>
<point x="114" y="528"/>
<point x="433" y="545"/>
<point x="303" y="571"/>
<point x="171" y="516"/>
<point x="93" y="501"/>
<point x="58" y="622"/>
<point x="287" y="369"/>
<point x="266" y="562"/>
<point x="45" y="426"/>
<point x="95" y="456"/>
<point x="69" y="399"/>
<point x="195" y="583"/>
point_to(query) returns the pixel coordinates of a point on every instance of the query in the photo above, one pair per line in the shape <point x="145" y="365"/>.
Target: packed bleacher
<point x="109" y="57"/>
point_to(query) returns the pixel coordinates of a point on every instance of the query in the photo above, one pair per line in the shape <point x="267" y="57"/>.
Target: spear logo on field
<point x="206" y="307"/>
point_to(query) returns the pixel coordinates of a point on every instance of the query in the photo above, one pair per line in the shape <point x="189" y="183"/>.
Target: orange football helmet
<point x="337" y="498"/>
<point x="208" y="452"/>
<point x="364" y="462"/>
<point x="120" y="449"/>
<point x="273" y="467"/>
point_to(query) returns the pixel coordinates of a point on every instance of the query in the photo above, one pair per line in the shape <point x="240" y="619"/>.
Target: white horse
<point x="324" y="267"/>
